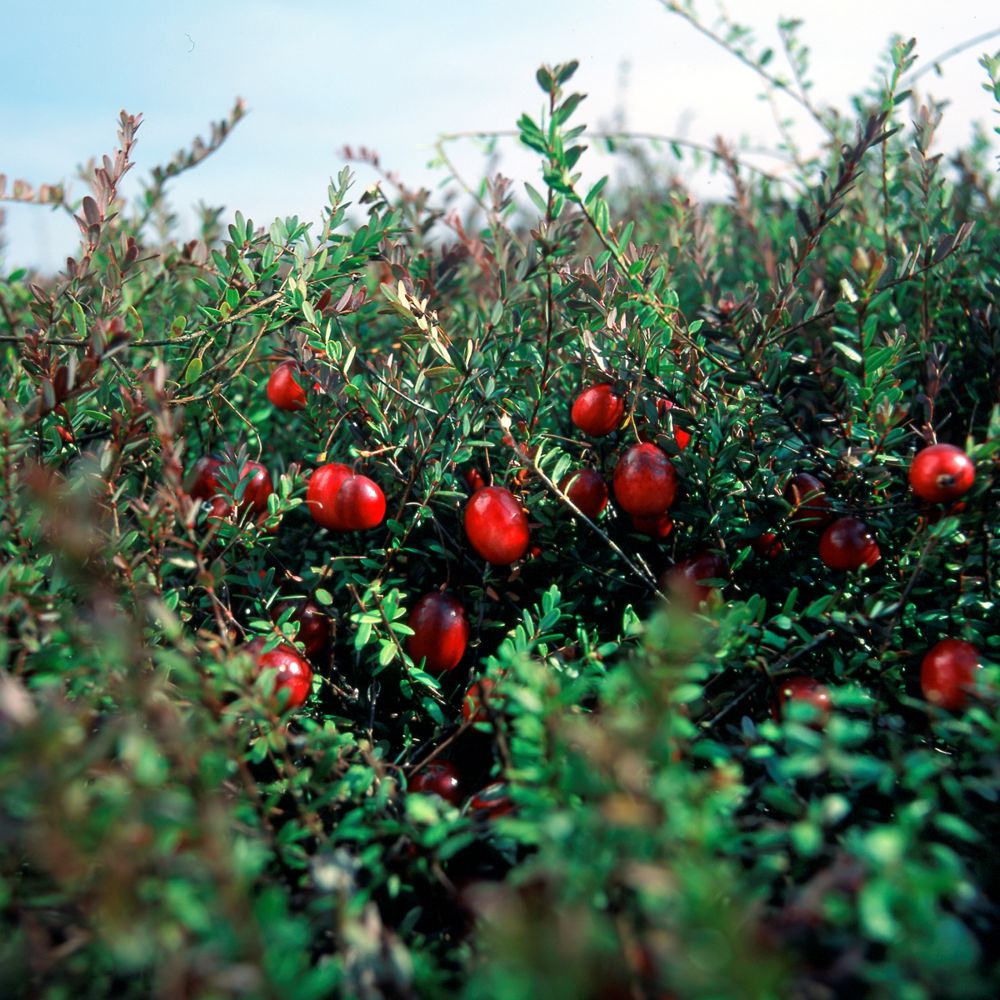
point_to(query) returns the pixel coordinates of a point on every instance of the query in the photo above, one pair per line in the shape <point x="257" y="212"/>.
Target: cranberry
<point x="941" y="473"/>
<point x="294" y="675"/>
<point x="439" y="777"/>
<point x="684" y="578"/>
<point x="767" y="545"/>
<point x="947" y="673"/>
<point x="588" y="490"/>
<point x="598" y="411"/>
<point x="496" y="525"/>
<point x="474" y="480"/>
<point x="440" y="632"/>
<point x="681" y="436"/>
<point x="473" y="709"/>
<point x="314" y="625"/>
<point x="811" y="505"/>
<point x="283" y="389"/>
<point x="206" y="486"/>
<point x="805" y="691"/>
<point x="656" y="526"/>
<point x="848" y="544"/>
<point x="492" y="801"/>
<point x="342" y="501"/>
<point x="645" y="481"/>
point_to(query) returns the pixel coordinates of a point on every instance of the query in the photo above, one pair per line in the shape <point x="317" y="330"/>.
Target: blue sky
<point x="392" y="75"/>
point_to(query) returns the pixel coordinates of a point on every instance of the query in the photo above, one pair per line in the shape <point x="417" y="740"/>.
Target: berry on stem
<point x="645" y="481"/>
<point x="439" y="777"/>
<point x="941" y="473"/>
<point x="342" y="501"/>
<point x="684" y="579"/>
<point x="314" y="624"/>
<point x="804" y="690"/>
<point x="598" y="411"/>
<point x="848" y="544"/>
<point x="588" y="491"/>
<point x="440" y="632"/>
<point x="947" y="673"/>
<point x="811" y="505"/>
<point x="283" y="390"/>
<point x="293" y="673"/>
<point x="496" y="526"/>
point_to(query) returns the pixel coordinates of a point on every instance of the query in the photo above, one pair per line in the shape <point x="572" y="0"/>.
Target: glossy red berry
<point x="805" y="691"/>
<point x="473" y="709"/>
<point x="768" y="545"/>
<point x="474" y="480"/>
<point x="293" y="674"/>
<point x="941" y="473"/>
<point x="205" y="485"/>
<point x="342" y="501"/>
<point x="645" y="481"/>
<point x="598" y="411"/>
<point x="440" y="632"/>
<point x="807" y="495"/>
<point x="439" y="777"/>
<point x="284" y="388"/>
<point x="496" y="526"/>
<point x="314" y="625"/>
<point x="685" y="579"/>
<point x="587" y="489"/>
<point x="848" y="544"/>
<point x="656" y="526"/>
<point x="681" y="436"/>
<point x="360" y="505"/>
<point x="492" y="801"/>
<point x="947" y="673"/>
<point x="204" y="478"/>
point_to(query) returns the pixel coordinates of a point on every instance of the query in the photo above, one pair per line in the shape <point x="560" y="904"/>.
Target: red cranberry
<point x="439" y="777"/>
<point x="657" y="526"/>
<point x="684" y="578"/>
<point x="598" y="411"/>
<point x="496" y="525"/>
<point x="342" y="501"/>
<point x="811" y="505"/>
<point x="588" y="490"/>
<point x="294" y="675"/>
<point x="314" y="625"/>
<point x="492" y="801"/>
<point x="947" y="673"/>
<point x="806" y="690"/>
<point x="440" y="632"/>
<point x="645" y="481"/>
<point x="848" y="544"/>
<point x="941" y="473"/>
<point x="283" y="388"/>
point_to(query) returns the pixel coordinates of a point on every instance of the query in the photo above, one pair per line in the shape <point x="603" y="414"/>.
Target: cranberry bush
<point x="468" y="686"/>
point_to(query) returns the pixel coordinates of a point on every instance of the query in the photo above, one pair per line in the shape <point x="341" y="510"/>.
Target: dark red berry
<point x="848" y="544"/>
<point x="588" y="490"/>
<point x="439" y="777"/>
<point x="293" y="673"/>
<point x="284" y="390"/>
<point x="492" y="801"/>
<point x="811" y="505"/>
<point x="440" y="632"/>
<point x="314" y="625"/>
<point x="768" y="545"/>
<point x="685" y="579"/>
<point x="205" y="485"/>
<point x="941" y="473"/>
<point x="807" y="691"/>
<point x="656" y="526"/>
<point x="496" y="526"/>
<point x="473" y="709"/>
<point x="342" y="501"/>
<point x="474" y="480"/>
<point x="598" y="411"/>
<point x="645" y="481"/>
<point x="947" y="673"/>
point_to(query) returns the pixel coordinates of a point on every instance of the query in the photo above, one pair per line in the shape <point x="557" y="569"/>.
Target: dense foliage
<point x="732" y="787"/>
